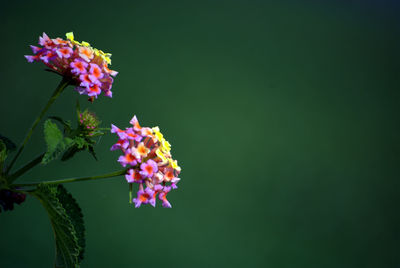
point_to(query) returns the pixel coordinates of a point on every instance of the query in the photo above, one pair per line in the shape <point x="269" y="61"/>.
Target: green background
<point x="284" y="116"/>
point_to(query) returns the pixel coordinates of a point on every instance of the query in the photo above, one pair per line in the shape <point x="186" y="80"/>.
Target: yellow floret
<point x="174" y="164"/>
<point x="85" y="44"/>
<point x="161" y="155"/>
<point x="105" y="56"/>
<point x="165" y="146"/>
<point x="156" y="130"/>
<point x="70" y="36"/>
<point x="158" y="134"/>
<point x="107" y="59"/>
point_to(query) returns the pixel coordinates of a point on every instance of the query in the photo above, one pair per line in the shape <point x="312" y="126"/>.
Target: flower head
<point x="88" y="122"/>
<point x="87" y="67"/>
<point x="148" y="157"/>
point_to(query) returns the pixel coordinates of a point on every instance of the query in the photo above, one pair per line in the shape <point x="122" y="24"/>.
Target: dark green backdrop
<point x="283" y="115"/>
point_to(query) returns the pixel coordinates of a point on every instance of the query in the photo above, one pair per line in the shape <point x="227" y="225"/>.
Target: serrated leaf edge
<point x="56" y="231"/>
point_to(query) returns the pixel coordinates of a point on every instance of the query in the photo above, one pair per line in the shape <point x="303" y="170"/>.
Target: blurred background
<point x="284" y="116"/>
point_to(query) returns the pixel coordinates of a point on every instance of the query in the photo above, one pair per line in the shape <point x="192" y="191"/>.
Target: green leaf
<point x="53" y="138"/>
<point x="67" y="222"/>
<point x="79" y="144"/>
<point x="66" y="124"/>
<point x="3" y="155"/>
<point x="3" y="151"/>
<point x="92" y="152"/>
<point x="78" y="108"/>
<point x="56" y="143"/>
<point x="75" y="214"/>
<point x="70" y="152"/>
<point x="9" y="144"/>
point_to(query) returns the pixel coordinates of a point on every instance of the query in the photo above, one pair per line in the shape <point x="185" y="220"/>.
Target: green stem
<point x="104" y="176"/>
<point x="63" y="84"/>
<point x="130" y="193"/>
<point x="25" y="168"/>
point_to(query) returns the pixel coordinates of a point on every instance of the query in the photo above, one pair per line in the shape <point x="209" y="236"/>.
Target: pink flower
<point x="87" y="67"/>
<point x="141" y="151"/>
<point x="85" y="53"/>
<point x="132" y="135"/>
<point x="35" y="49"/>
<point x="111" y="72"/>
<point x="144" y="197"/>
<point x="93" y="90"/>
<point x="48" y="56"/>
<point x="108" y="93"/>
<point x="135" y="123"/>
<point x="133" y="176"/>
<point x="64" y="52"/>
<point x="146" y="131"/>
<point x="78" y="67"/>
<point x="95" y="72"/>
<point x="174" y="182"/>
<point x="148" y="169"/>
<point x="127" y="159"/>
<point x="45" y="41"/>
<point x="121" y="133"/>
<point x="31" y="58"/>
<point x="169" y="174"/>
<point x="121" y="144"/>
<point x="156" y="190"/>
<point x="147" y="155"/>
<point x="85" y="80"/>
<point x="163" y="197"/>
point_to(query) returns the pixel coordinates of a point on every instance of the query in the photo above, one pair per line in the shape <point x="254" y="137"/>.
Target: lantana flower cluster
<point x="86" y="66"/>
<point x="148" y="157"/>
